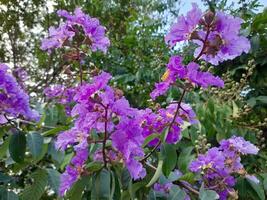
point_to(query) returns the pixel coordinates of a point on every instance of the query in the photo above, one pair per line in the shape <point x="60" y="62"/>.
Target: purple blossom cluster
<point x="14" y="102"/>
<point x="216" y="34"/>
<point x="190" y="73"/>
<point x="93" y="32"/>
<point x="102" y="109"/>
<point x="62" y="95"/>
<point x="219" y="165"/>
<point x="156" y="122"/>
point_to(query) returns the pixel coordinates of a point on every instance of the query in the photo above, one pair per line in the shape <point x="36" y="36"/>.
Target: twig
<point x="177" y="182"/>
<point x="105" y="137"/>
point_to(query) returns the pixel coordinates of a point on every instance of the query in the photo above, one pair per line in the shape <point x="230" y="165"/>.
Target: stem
<point x="169" y="128"/>
<point x="105" y="137"/>
<point x="80" y="66"/>
<point x="180" y="183"/>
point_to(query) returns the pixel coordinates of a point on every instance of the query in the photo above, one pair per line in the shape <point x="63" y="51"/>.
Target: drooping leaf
<point x="53" y="179"/>
<point x="17" y="146"/>
<point x="35" y="143"/>
<point x="7" y="195"/>
<point x="169" y="155"/>
<point x="207" y="194"/>
<point x="101" y="186"/>
<point x="36" y="190"/>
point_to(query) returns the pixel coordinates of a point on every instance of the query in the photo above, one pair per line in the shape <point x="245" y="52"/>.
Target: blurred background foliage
<point x="29" y="163"/>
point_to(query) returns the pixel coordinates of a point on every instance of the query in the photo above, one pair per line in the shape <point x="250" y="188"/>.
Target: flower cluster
<point x="93" y="32"/>
<point x="102" y="114"/>
<point x="219" y="164"/>
<point x="104" y="110"/>
<point x="14" y="102"/>
<point x="156" y="122"/>
<point x="216" y="34"/>
<point x="190" y="73"/>
<point x="62" y="95"/>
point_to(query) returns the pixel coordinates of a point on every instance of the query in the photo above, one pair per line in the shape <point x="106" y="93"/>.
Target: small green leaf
<point x="94" y="166"/>
<point x="185" y="158"/>
<point x="125" y="178"/>
<point x="36" y="190"/>
<point x="35" y="143"/>
<point x="76" y="192"/>
<point x="53" y="179"/>
<point x="5" y="178"/>
<point x="7" y="195"/>
<point x="157" y="174"/>
<point x="258" y="189"/>
<point x="169" y="156"/>
<point x="101" y="186"/>
<point x="17" y="146"/>
<point x="176" y="193"/>
<point x="207" y="194"/>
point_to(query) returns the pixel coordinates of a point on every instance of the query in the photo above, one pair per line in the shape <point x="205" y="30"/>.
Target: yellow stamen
<point x="165" y="75"/>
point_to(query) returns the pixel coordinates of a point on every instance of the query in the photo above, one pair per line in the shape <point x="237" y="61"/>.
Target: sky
<point x="186" y="4"/>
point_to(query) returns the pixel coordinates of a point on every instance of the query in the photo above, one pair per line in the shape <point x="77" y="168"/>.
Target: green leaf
<point x="101" y="186"/>
<point x="157" y="174"/>
<point x="4" y="147"/>
<point x="185" y="158"/>
<point x="76" y="192"/>
<point x="188" y="177"/>
<point x="54" y="131"/>
<point x="5" y="178"/>
<point x="207" y="194"/>
<point x="176" y="193"/>
<point x="169" y="156"/>
<point x="258" y="189"/>
<point x="53" y="179"/>
<point x="35" y="143"/>
<point x="17" y="146"/>
<point x="125" y="178"/>
<point x="7" y="195"/>
<point x="94" y="166"/>
<point x="36" y="190"/>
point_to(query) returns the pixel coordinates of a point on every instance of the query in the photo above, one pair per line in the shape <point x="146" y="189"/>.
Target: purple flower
<point x="214" y="158"/>
<point x="14" y="102"/>
<point x="163" y="188"/>
<point x="225" y="38"/>
<point x="203" y="79"/>
<point x="218" y="165"/>
<point x="238" y="145"/>
<point x="184" y="27"/>
<point x="191" y="73"/>
<point x="128" y="140"/>
<point x="67" y="179"/>
<point x="218" y="31"/>
<point x="94" y="33"/>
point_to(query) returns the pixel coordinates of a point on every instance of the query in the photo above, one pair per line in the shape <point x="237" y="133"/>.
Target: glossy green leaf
<point x="207" y="194"/>
<point x="101" y="186"/>
<point x="35" y="143"/>
<point x="169" y="156"/>
<point x="53" y="179"/>
<point x="36" y="190"/>
<point x="17" y="146"/>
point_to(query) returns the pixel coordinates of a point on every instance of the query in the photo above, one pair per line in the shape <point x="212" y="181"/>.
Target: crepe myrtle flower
<point x="216" y="34"/>
<point x="93" y="32"/>
<point x="190" y="73"/>
<point x="14" y="101"/>
<point x="219" y="165"/>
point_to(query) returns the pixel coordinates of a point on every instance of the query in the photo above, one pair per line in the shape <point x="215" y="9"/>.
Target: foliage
<point x="31" y="165"/>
